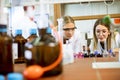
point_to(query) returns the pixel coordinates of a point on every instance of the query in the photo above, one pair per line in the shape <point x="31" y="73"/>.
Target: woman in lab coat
<point x="104" y="40"/>
<point x="71" y="39"/>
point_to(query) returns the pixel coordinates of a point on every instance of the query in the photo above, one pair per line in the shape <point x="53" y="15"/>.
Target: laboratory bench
<point x="82" y="69"/>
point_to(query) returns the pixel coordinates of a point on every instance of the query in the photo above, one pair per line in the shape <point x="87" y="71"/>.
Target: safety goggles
<point x="68" y="29"/>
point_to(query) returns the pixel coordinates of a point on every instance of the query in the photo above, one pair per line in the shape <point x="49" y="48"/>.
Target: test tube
<point x="105" y="53"/>
<point x="99" y="47"/>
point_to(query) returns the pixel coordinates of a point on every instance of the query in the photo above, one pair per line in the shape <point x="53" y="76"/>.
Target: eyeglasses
<point x="104" y="31"/>
<point x="68" y="29"/>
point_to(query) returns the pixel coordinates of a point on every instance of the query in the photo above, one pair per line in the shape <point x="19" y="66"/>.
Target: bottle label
<point x="15" y="50"/>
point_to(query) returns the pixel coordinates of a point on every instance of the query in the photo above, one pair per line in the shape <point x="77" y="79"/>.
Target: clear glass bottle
<point x="6" y="57"/>
<point x="20" y="41"/>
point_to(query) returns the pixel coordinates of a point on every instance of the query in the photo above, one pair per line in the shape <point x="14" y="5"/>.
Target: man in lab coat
<point x="24" y="20"/>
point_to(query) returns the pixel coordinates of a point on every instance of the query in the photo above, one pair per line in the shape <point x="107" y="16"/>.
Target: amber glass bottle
<point x="45" y="51"/>
<point x="20" y="40"/>
<point x="33" y="35"/>
<point x="6" y="59"/>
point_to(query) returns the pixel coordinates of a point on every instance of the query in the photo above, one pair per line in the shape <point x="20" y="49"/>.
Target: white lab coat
<point x="25" y="24"/>
<point x="113" y="43"/>
<point x="72" y="47"/>
<point x="75" y="42"/>
<point x="68" y="56"/>
<point x="117" y="37"/>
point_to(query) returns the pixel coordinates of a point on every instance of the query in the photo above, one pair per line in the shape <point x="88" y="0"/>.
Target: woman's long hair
<point x="100" y="22"/>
